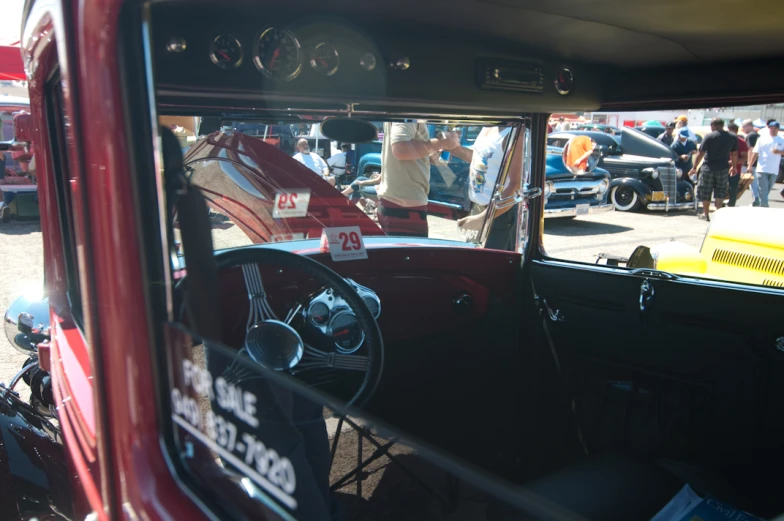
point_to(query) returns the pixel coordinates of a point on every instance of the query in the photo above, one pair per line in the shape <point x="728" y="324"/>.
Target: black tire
<point x="625" y="199"/>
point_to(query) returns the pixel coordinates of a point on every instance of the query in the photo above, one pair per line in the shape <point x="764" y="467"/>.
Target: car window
<point x="261" y="188"/>
<point x="643" y="196"/>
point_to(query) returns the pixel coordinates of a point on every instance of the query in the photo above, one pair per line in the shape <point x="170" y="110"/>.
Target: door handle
<point x="646" y="295"/>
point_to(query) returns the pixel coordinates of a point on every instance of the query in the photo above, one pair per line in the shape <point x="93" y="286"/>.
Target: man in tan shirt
<point x="405" y="176"/>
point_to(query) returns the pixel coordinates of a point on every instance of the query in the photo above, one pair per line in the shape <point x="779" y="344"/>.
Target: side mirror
<point x="27" y="324"/>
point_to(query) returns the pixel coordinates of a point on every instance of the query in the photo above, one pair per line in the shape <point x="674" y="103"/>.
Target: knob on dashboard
<point x="463" y="304"/>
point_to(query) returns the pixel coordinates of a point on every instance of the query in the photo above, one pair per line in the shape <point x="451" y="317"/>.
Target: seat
<point x="618" y="487"/>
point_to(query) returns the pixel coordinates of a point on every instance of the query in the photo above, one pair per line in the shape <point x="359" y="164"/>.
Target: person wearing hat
<point x="767" y="152"/>
<point x="685" y="149"/>
<point x="720" y="150"/>
<point x="682" y="122"/>
<point x="667" y="137"/>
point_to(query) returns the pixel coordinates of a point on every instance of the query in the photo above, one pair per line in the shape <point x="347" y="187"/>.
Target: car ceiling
<point x="622" y="33"/>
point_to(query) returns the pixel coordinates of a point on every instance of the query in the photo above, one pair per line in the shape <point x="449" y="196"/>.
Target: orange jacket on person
<point x="578" y="147"/>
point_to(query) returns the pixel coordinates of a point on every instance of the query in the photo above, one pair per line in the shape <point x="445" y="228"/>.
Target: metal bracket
<point x="554" y="314"/>
<point x="646" y="294"/>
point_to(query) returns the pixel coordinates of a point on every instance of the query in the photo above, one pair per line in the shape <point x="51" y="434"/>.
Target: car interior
<point x="507" y="384"/>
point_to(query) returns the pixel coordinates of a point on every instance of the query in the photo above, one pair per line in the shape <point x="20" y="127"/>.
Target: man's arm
<point x="466" y="154"/>
<point x="406" y="147"/>
<point x="733" y="161"/>
<point x="697" y="160"/>
<point x="752" y="158"/>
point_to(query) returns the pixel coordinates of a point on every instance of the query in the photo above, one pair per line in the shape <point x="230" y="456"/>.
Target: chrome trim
<point x="20" y="374"/>
<point x="570" y="212"/>
<point x="670" y="206"/>
<point x="169" y="258"/>
<point x="448" y="205"/>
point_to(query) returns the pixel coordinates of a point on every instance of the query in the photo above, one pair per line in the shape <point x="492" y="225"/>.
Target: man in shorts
<point x="720" y="150"/>
<point x="767" y="152"/>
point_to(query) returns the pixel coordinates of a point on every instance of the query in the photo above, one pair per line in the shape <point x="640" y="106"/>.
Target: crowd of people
<point x="401" y="189"/>
<point x="718" y="163"/>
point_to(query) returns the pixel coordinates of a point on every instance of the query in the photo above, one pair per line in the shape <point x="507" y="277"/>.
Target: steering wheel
<point x="276" y="343"/>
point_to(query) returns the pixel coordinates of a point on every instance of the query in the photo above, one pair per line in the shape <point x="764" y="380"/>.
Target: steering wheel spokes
<point x="317" y="359"/>
<point x="260" y="309"/>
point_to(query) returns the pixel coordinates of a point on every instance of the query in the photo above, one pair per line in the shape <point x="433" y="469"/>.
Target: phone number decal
<point x="270" y="471"/>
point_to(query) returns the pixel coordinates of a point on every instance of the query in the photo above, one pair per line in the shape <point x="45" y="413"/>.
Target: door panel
<point x="690" y="377"/>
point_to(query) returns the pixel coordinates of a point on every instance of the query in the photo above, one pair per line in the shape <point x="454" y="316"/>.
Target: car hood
<point x="240" y="176"/>
<point x="639" y="143"/>
<point x="632" y="159"/>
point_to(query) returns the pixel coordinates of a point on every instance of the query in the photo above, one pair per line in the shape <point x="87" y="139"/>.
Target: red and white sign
<point x="291" y="203"/>
<point x="344" y="243"/>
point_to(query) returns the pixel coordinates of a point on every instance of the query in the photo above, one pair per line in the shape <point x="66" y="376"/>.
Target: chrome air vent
<point x="751" y="262"/>
<point x="773" y="283"/>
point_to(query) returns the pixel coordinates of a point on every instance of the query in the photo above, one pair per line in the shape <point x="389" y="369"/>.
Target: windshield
<point x="272" y="182"/>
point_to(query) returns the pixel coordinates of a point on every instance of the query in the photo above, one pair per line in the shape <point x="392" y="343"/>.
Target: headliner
<point x="613" y="32"/>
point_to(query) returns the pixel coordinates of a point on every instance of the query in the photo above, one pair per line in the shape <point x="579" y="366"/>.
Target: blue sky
<point x="10" y="21"/>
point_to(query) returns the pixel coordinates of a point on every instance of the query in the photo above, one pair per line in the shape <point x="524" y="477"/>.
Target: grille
<point x="669" y="180"/>
<point x="748" y="261"/>
<point x="773" y="283"/>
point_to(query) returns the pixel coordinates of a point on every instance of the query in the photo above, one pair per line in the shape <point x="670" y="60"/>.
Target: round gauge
<point x="564" y="81"/>
<point x="277" y="54"/>
<point x="346" y="332"/>
<point x="373" y="305"/>
<point x="319" y="313"/>
<point x="368" y="61"/>
<point x="226" y="52"/>
<point x="325" y="59"/>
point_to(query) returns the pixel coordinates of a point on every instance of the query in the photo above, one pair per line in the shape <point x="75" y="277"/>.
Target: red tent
<point x="11" y="67"/>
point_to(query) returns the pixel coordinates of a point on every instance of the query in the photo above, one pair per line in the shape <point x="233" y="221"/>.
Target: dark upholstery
<point x="617" y="487"/>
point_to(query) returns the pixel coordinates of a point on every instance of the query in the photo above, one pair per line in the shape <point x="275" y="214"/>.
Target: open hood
<point x="640" y="144"/>
<point x="11" y="68"/>
<point x="241" y="175"/>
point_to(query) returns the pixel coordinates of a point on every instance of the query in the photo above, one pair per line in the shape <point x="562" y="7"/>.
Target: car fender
<point x="369" y="160"/>
<point x="680" y="258"/>
<point x="34" y="474"/>
<point x="638" y="186"/>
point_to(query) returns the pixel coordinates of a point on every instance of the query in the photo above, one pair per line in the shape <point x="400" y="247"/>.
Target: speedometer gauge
<point x="277" y="55"/>
<point x="347" y="334"/>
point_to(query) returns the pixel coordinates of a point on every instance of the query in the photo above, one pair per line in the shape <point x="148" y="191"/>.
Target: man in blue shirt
<point x="685" y="149"/>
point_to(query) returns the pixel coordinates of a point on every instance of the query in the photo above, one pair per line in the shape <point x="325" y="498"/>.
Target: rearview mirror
<point x="27" y="324"/>
<point x="349" y="130"/>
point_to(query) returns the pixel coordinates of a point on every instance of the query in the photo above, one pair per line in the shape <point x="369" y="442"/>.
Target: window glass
<point x="57" y="126"/>
<point x="251" y="173"/>
<point x="636" y="202"/>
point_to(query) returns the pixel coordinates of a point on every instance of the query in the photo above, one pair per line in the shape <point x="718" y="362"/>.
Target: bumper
<point x="671" y="206"/>
<point x="572" y="212"/>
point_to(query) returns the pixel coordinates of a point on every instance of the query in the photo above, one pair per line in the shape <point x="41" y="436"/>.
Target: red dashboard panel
<point x="417" y="287"/>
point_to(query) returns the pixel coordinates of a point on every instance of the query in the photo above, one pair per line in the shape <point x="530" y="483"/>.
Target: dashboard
<point x="245" y="57"/>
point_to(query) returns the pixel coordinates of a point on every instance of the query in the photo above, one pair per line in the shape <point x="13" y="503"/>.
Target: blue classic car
<point x="568" y="195"/>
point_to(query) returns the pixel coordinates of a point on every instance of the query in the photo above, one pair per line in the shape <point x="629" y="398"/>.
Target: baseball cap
<point x="684" y="133"/>
<point x="671" y="124"/>
<point x="774" y="124"/>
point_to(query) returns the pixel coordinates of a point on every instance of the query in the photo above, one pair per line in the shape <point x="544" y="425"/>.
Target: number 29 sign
<point x="344" y="243"/>
<point x="291" y="203"/>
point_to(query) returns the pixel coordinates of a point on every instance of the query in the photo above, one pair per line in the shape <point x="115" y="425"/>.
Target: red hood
<point x="240" y="176"/>
<point x="11" y="67"/>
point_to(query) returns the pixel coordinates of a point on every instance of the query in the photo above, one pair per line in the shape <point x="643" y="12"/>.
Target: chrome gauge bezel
<point x="223" y="65"/>
<point x="340" y="349"/>
<point x="257" y="61"/>
<point x="313" y="64"/>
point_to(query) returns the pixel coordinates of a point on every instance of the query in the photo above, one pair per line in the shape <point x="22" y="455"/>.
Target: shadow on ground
<point x="576" y="227"/>
<point x="20" y="227"/>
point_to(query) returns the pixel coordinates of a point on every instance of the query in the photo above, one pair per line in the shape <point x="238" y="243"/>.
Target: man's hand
<point x="732" y="171"/>
<point x="685" y="157"/>
<point x="449" y="141"/>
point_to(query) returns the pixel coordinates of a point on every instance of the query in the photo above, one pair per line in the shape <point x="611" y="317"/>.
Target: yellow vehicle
<point x="741" y="245"/>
